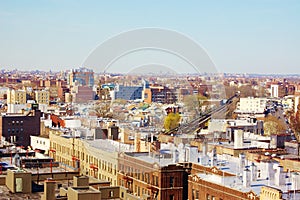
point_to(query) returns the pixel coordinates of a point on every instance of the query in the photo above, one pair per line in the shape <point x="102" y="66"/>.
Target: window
<point x="207" y="197"/>
<point x="171" y="197"/>
<point x="155" y="180"/>
<point x="171" y="181"/>
<point x="197" y="194"/>
<point x="146" y="177"/>
<point x="111" y="193"/>
<point x="143" y="176"/>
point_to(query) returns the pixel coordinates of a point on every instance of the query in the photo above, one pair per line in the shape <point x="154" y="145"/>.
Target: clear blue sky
<point x="258" y="36"/>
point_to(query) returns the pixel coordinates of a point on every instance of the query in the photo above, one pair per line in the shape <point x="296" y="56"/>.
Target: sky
<point x="258" y="36"/>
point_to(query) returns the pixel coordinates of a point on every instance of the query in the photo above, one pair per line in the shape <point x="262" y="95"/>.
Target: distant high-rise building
<point x="42" y="97"/>
<point x="82" y="94"/>
<point x="16" y="96"/>
<point x="16" y="100"/>
<point x="274" y="91"/>
<point x="81" y="76"/>
<point x="128" y="92"/>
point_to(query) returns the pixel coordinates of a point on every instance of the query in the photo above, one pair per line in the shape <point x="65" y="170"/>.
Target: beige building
<point x="42" y="97"/>
<point x="16" y="96"/>
<point x="269" y="193"/>
<point x="83" y="190"/>
<point x="16" y="100"/>
<point x="17" y="181"/>
<point x="94" y="158"/>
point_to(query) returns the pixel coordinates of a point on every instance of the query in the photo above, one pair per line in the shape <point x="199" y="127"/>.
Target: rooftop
<point x="110" y="145"/>
<point x="232" y="165"/>
<point x="162" y="159"/>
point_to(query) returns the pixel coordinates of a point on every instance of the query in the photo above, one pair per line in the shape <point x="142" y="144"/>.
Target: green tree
<point x="171" y="121"/>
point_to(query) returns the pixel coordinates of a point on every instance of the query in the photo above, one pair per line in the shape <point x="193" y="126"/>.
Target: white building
<point x="41" y="143"/>
<point x="251" y="106"/>
<point x="274" y="91"/>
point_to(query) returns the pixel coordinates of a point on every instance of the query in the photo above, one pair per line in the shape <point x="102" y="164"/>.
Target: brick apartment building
<point x="159" y="94"/>
<point x="214" y="184"/>
<point x="147" y="177"/>
<point x="17" y="128"/>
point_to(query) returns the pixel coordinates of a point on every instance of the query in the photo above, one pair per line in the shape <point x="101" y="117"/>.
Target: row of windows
<point x="144" y="176"/>
<point x="40" y="142"/>
<point x="101" y="164"/>
<point x="196" y="195"/>
<point x="138" y="174"/>
<point x="15" y="130"/>
<point x="15" y="123"/>
<point x="136" y="189"/>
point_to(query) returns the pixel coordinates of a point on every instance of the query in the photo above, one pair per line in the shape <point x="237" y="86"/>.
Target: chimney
<point x="49" y="190"/>
<point x="80" y="181"/>
<point x="238" y="139"/>
<point x="279" y="175"/>
<point x="253" y="169"/>
<point x="175" y="155"/>
<point x="191" y="154"/>
<point x="246" y="178"/>
<point x="204" y="148"/>
<point x="267" y="170"/>
<point x="242" y="163"/>
<point x="295" y="181"/>
<point x="137" y="142"/>
<point x="214" y="157"/>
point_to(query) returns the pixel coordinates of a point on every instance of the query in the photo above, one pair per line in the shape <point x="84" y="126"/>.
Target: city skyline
<point x="257" y="37"/>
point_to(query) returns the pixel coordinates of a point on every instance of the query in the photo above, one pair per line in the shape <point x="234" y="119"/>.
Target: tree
<point x="262" y="92"/>
<point x="295" y="121"/>
<point x="194" y="103"/>
<point x="247" y="91"/>
<point x="230" y="91"/>
<point x="171" y="121"/>
<point x="119" y="101"/>
<point x="102" y="109"/>
<point x="273" y="125"/>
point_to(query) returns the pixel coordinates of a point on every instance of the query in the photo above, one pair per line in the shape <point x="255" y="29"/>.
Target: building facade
<point x="213" y="184"/>
<point x="84" y="157"/>
<point x="81" y="76"/>
<point x="17" y="128"/>
<point x="42" y="97"/>
<point x="143" y="177"/>
<point x="16" y="100"/>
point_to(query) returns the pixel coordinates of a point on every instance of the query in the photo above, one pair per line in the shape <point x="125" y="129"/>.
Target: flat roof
<point x="231" y="165"/>
<point x="110" y="145"/>
<point x="161" y="159"/>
